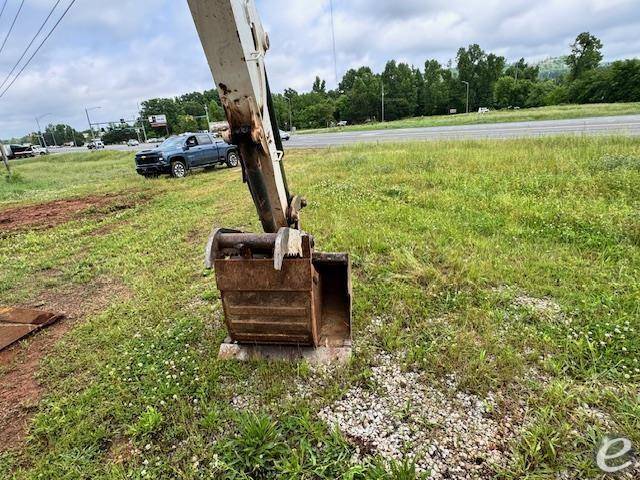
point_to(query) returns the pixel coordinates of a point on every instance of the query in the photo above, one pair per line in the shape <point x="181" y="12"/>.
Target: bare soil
<point x="50" y="214"/>
<point x="20" y="390"/>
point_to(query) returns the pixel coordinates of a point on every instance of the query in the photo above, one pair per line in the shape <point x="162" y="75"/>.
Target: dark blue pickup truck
<point x="177" y="155"/>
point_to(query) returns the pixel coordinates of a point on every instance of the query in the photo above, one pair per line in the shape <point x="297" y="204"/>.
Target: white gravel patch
<point x="544" y="306"/>
<point x="447" y="432"/>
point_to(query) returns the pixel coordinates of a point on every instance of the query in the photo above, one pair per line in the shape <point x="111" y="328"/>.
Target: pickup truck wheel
<point x="232" y="159"/>
<point x="178" y="169"/>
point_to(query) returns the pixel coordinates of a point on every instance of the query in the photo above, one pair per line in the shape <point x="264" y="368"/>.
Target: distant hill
<point x="553" y="67"/>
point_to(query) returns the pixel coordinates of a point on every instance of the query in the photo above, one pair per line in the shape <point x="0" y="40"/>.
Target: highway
<point x="628" y="124"/>
<point x="625" y="125"/>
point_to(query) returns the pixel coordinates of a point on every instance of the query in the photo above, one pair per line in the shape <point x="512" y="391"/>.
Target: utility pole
<point x="467" y="84"/>
<point x="141" y="120"/>
<point x="43" y="140"/>
<point x="73" y="136"/>
<point x="86" y="110"/>
<point x="54" y="137"/>
<point x="382" y="102"/>
<point x="290" y="114"/>
<point x="5" y="160"/>
<point x="144" y="131"/>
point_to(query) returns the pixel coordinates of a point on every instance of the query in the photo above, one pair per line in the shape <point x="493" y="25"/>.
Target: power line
<point x="3" y="7"/>
<point x="38" y="49"/>
<point x="30" y="44"/>
<point x="333" y="36"/>
<point x="12" y="25"/>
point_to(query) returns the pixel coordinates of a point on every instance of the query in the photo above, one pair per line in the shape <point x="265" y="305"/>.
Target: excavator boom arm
<point x="276" y="290"/>
<point x="235" y="45"/>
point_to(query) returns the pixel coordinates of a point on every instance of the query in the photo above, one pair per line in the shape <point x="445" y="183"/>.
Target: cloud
<point x="123" y="51"/>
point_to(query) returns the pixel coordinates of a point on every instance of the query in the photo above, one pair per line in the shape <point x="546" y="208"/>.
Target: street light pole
<point x="467" y="84"/>
<point x="382" y="102"/>
<point x="206" y="111"/>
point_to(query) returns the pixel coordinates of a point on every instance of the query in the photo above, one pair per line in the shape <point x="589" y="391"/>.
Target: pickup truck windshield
<point x="173" y="142"/>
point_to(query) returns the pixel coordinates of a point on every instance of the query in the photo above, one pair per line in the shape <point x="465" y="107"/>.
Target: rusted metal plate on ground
<point x="15" y="323"/>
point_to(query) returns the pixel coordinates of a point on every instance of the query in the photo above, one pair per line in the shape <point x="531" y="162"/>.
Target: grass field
<point x="497" y="279"/>
<point x="557" y="112"/>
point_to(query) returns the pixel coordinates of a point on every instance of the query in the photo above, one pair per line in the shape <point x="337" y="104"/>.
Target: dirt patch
<point x="20" y="390"/>
<point x="47" y="215"/>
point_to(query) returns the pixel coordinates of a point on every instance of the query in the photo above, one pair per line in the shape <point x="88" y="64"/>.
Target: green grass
<point x="557" y="112"/>
<point x="444" y="237"/>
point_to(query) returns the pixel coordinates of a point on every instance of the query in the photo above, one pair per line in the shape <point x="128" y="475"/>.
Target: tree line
<point x="409" y="91"/>
<point x="433" y="89"/>
<point x="437" y="89"/>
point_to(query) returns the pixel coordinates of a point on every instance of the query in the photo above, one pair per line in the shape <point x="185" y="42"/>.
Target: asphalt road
<point x="627" y="125"/>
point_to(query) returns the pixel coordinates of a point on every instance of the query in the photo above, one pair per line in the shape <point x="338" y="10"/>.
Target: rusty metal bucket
<point x="304" y="303"/>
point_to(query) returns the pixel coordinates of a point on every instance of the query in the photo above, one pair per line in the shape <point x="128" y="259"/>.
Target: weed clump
<point x="610" y="162"/>
<point x="14" y="178"/>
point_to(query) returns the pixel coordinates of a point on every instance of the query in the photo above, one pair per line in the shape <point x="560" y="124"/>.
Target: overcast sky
<point x="114" y="53"/>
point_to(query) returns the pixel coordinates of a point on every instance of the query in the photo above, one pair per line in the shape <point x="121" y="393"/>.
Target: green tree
<point x="559" y="95"/>
<point x="216" y="113"/>
<point x="186" y="123"/>
<point x="585" y="55"/>
<point x="624" y="81"/>
<point x="161" y="106"/>
<point x="509" y="92"/>
<point x="593" y="86"/>
<point x="521" y="70"/>
<point x="481" y="70"/>
<point x="401" y="93"/>
<point x="60" y="134"/>
<point x="318" y="114"/>
<point x="350" y="77"/>
<point x="119" y="135"/>
<point x="319" y="86"/>
<point x="539" y="94"/>
<point x="435" y="89"/>
<point x="363" y="101"/>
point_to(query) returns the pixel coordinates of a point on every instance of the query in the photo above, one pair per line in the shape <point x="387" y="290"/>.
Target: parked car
<point x="285" y="135"/>
<point x="95" y="145"/>
<point x="341" y="123"/>
<point x="133" y="143"/>
<point x="483" y="110"/>
<point x="180" y="154"/>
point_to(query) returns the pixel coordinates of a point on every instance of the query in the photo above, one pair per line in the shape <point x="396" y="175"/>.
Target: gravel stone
<point x="446" y="432"/>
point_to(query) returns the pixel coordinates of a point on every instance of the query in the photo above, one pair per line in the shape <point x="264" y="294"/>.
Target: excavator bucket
<point x="280" y="298"/>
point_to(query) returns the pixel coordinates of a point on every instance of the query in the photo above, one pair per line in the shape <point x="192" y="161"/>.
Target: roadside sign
<point x="158" y="120"/>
